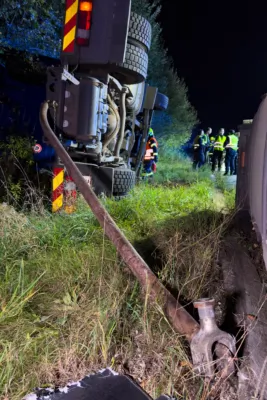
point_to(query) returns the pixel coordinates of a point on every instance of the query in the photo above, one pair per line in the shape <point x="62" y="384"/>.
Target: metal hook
<point x="209" y="335"/>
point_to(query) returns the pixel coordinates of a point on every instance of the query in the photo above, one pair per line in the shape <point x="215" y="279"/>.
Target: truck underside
<point x="102" y="108"/>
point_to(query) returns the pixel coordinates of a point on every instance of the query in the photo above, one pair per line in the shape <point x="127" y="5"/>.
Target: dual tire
<point x="134" y="68"/>
<point x="124" y="181"/>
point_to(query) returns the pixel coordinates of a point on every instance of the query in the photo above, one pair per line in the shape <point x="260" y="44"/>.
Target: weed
<point x="20" y="183"/>
<point x="230" y="198"/>
<point x="69" y="306"/>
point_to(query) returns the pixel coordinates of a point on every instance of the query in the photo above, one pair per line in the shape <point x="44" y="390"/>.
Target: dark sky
<point x="220" y="48"/>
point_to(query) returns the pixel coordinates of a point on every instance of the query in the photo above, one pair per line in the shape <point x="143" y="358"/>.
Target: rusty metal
<point x="179" y="318"/>
<point x="243" y="157"/>
<point x="208" y="337"/>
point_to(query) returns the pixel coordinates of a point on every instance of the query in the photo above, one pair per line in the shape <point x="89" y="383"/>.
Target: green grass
<point x="69" y="306"/>
<point x="178" y="169"/>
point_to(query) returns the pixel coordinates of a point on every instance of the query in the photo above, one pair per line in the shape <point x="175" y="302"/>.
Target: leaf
<point x="67" y="299"/>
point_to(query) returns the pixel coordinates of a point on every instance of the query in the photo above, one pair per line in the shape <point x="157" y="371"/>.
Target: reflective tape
<point x="37" y="149"/>
<point x="70" y="26"/>
<point x="57" y="189"/>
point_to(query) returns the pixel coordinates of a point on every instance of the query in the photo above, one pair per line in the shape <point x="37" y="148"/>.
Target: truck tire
<point x="124" y="181"/>
<point x="140" y="31"/>
<point x="119" y="198"/>
<point x="134" y="68"/>
<point x="161" y="102"/>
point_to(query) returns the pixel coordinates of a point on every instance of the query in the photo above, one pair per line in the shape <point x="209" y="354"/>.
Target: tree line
<point x="35" y="27"/>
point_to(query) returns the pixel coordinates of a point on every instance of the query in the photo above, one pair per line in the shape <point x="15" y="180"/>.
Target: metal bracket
<point x="67" y="76"/>
<point x="211" y="339"/>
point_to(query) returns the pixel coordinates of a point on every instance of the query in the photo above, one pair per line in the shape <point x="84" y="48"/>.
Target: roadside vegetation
<point x="69" y="306"/>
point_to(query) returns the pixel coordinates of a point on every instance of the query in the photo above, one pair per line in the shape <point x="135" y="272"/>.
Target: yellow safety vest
<point x="233" y="142"/>
<point x="219" y="142"/>
<point x="205" y="139"/>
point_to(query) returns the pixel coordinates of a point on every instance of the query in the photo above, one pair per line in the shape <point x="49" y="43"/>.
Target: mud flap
<point x="101" y="178"/>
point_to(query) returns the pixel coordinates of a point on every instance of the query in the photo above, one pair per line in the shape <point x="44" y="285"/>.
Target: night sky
<point x="220" y="49"/>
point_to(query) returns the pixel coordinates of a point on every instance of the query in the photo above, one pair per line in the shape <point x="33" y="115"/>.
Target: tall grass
<point x="69" y="306"/>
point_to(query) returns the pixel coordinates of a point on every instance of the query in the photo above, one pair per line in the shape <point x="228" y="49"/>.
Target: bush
<point x="20" y="185"/>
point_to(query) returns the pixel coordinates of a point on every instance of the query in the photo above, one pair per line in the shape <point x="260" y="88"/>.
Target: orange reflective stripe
<point x="149" y="154"/>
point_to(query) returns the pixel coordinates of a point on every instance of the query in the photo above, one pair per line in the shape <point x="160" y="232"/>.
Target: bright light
<point x="86" y="6"/>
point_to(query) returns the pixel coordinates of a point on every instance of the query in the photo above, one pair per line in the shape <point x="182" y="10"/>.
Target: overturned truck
<point x="102" y="107"/>
<point x="103" y="93"/>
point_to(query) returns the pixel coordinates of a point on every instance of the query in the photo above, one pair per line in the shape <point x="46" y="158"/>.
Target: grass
<point x="178" y="169"/>
<point x="69" y="306"/>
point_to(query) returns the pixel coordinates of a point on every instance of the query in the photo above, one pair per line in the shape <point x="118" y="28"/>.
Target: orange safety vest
<point x="149" y="155"/>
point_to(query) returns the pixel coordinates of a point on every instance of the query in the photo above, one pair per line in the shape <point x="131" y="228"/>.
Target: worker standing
<point x="218" y="150"/>
<point x="211" y="147"/>
<point x="199" y="150"/>
<point x="151" y="155"/>
<point x="207" y="143"/>
<point x="231" y="147"/>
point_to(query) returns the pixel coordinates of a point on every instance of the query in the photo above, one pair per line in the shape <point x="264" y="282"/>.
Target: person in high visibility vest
<point x="199" y="150"/>
<point x="231" y="147"/>
<point x="218" y="150"/>
<point x="151" y="155"/>
<point x="211" y="147"/>
<point x="207" y="135"/>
